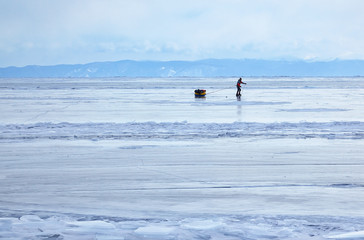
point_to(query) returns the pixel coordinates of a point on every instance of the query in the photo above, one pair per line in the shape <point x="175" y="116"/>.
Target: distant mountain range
<point x="201" y="68"/>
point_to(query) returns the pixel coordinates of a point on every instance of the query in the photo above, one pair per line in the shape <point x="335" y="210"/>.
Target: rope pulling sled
<point x="203" y="93"/>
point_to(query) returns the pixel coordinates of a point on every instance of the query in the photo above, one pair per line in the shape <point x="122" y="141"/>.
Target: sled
<point x="200" y="93"/>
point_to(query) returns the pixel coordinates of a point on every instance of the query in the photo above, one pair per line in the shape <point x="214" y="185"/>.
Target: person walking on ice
<point x="238" y="86"/>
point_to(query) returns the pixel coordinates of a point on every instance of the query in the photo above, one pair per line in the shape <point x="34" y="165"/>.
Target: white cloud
<point x="65" y="31"/>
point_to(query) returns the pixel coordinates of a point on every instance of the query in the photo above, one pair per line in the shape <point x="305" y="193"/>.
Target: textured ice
<point x="182" y="130"/>
<point x="124" y="158"/>
<point x="203" y="227"/>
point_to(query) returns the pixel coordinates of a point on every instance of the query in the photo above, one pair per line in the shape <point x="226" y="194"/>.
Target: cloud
<point x="52" y="32"/>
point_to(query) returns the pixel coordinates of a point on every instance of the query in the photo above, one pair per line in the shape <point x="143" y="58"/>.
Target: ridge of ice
<point x="165" y="130"/>
<point x="208" y="227"/>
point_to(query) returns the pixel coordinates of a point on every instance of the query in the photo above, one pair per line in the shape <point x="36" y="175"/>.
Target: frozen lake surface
<point x="140" y="158"/>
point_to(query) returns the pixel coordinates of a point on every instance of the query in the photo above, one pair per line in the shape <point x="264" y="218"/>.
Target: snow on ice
<point x="140" y="158"/>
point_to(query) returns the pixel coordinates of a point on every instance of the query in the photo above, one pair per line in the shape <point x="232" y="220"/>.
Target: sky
<point x="50" y="32"/>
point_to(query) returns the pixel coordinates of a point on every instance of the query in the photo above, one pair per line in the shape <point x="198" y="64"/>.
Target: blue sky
<point x="48" y="32"/>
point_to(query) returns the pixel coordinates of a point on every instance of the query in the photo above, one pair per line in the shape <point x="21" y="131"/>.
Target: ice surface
<point x="142" y="158"/>
<point x="351" y="235"/>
